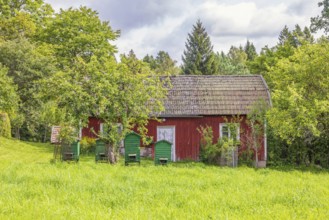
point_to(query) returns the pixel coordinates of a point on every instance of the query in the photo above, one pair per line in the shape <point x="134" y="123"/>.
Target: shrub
<point x="87" y="145"/>
<point x="5" y="127"/>
<point x="208" y="150"/>
<point x="216" y="153"/>
<point x="246" y="157"/>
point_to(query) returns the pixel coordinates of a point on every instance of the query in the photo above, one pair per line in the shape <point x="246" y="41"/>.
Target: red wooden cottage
<point x="195" y="101"/>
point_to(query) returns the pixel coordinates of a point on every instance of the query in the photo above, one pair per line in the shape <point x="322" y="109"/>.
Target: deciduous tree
<point x="8" y="96"/>
<point x="163" y="64"/>
<point x="27" y="63"/>
<point x="126" y="93"/>
<point x="321" y="22"/>
<point x="257" y="123"/>
<point x="23" y="18"/>
<point x="78" y="33"/>
<point x="300" y="96"/>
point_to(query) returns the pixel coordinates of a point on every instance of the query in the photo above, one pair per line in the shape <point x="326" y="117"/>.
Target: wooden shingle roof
<point x="214" y="95"/>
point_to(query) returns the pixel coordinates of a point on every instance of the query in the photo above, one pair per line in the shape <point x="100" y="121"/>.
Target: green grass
<point x="33" y="188"/>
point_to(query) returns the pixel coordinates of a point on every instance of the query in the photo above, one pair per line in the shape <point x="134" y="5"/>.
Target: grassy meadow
<point x="33" y="188"/>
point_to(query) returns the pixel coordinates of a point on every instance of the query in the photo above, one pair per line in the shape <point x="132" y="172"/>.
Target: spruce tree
<point x="285" y="36"/>
<point x="199" y="58"/>
<point x="250" y="50"/>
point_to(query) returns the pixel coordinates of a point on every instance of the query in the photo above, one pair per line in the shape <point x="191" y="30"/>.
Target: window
<point x="229" y="130"/>
<point x="103" y="129"/>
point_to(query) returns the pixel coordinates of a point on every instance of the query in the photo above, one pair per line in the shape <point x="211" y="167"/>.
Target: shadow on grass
<point x="290" y="168"/>
<point x="146" y="162"/>
<point x="42" y="147"/>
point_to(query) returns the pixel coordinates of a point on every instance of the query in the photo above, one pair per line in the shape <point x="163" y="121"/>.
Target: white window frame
<point x="221" y="125"/>
<point x="101" y="128"/>
<point x="121" y="128"/>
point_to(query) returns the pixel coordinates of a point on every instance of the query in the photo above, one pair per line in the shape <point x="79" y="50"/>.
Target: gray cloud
<point x="301" y="8"/>
<point x="148" y="26"/>
<point x="127" y="14"/>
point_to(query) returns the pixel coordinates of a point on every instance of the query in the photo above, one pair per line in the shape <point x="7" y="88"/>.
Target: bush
<point x="87" y="145"/>
<point x="221" y="152"/>
<point x="5" y="127"/>
<point x="209" y="152"/>
<point x="246" y="157"/>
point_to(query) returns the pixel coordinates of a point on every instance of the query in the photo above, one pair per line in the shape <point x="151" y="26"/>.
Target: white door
<point x="167" y="133"/>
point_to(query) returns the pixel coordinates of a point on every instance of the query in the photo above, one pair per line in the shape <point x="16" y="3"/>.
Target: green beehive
<point x="71" y="151"/>
<point x="162" y="154"/>
<point x="101" y="151"/>
<point x="132" y="148"/>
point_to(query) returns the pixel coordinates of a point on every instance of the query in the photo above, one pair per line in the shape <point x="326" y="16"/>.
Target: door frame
<point x="173" y="147"/>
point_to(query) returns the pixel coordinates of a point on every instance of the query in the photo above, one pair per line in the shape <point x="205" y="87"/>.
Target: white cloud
<point x="145" y="40"/>
<point x="58" y="4"/>
<point x="149" y="26"/>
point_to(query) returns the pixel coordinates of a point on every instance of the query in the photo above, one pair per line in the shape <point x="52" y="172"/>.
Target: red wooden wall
<point x="187" y="137"/>
<point x="93" y="123"/>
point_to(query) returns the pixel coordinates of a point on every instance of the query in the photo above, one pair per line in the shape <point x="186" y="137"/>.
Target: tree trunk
<point x="45" y="135"/>
<point x="112" y="156"/>
<point x="17" y="134"/>
<point x="254" y="144"/>
<point x="256" y="157"/>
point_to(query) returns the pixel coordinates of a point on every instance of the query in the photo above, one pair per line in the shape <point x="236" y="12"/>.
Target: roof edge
<point x="245" y="75"/>
<point x="267" y="90"/>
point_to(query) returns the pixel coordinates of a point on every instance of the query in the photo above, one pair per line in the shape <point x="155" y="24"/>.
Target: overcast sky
<point x="148" y="26"/>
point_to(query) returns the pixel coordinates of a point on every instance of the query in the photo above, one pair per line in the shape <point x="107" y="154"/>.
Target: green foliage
<point x="296" y="37"/>
<point x="60" y="67"/>
<point x="211" y="152"/>
<point x="250" y="50"/>
<point x="48" y="115"/>
<point x="246" y="158"/>
<point x="237" y="60"/>
<point x="8" y="95"/>
<point x="78" y="33"/>
<point x="27" y="63"/>
<point x="199" y="58"/>
<point x="162" y="64"/>
<point x="289" y="41"/>
<point x="22" y="18"/>
<point x="5" y="127"/>
<point x="301" y="92"/>
<point x="321" y="22"/>
<point x="31" y="187"/>
<point x="257" y="122"/>
<point x="234" y="63"/>
<point x="237" y="55"/>
<point x="300" y="100"/>
<point x="67" y="134"/>
<point x="34" y="44"/>
<point x="127" y="92"/>
<point x="87" y="145"/>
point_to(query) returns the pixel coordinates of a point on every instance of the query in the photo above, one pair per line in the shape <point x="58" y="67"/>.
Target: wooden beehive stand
<point x="57" y="151"/>
<point x="64" y="151"/>
<point x="55" y="141"/>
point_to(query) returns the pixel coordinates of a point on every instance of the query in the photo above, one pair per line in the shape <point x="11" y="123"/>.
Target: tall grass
<point x="33" y="188"/>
